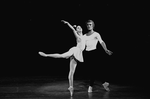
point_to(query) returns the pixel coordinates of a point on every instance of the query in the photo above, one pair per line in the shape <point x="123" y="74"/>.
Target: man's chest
<point x="91" y="39"/>
<point x="91" y="42"/>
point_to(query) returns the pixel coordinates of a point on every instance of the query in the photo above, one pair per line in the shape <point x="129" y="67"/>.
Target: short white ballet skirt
<point x="77" y="52"/>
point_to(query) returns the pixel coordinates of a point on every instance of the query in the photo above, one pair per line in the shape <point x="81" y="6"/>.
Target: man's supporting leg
<point x="92" y="67"/>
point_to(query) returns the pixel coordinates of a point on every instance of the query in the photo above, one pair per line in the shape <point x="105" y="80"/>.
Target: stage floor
<point x="44" y="88"/>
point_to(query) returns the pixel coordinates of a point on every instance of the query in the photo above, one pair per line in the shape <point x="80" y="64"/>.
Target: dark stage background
<point x="33" y="26"/>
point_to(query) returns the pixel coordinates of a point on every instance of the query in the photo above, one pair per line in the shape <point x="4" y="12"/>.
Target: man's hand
<point x="109" y="52"/>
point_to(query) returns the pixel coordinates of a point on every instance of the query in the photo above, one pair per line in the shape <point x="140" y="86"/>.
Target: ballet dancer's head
<point x="79" y="30"/>
<point x="90" y="25"/>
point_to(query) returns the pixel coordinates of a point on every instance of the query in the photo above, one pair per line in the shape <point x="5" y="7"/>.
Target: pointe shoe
<point x="105" y="85"/>
<point x="90" y="89"/>
<point x="71" y="93"/>
<point x="71" y="90"/>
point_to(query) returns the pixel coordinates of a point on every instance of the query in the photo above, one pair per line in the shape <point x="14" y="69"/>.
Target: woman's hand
<point x="64" y="21"/>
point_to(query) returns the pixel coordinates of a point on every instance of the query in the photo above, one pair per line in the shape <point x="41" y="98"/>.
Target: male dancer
<point x="92" y="39"/>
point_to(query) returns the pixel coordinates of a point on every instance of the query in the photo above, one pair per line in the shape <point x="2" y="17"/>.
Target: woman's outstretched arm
<point x="74" y="31"/>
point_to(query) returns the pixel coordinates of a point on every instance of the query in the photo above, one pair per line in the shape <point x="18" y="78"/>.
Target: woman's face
<point x="79" y="30"/>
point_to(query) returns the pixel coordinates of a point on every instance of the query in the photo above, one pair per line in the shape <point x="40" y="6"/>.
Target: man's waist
<point x="91" y="49"/>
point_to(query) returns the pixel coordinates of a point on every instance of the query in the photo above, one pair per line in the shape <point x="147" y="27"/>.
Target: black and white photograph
<point x="74" y="49"/>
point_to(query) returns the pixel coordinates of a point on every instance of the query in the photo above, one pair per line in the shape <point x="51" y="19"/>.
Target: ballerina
<point x="74" y="53"/>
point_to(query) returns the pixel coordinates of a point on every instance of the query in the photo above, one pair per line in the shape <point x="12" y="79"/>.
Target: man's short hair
<point x="90" y="21"/>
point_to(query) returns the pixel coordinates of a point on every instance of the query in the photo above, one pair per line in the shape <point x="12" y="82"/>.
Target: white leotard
<point x="77" y="51"/>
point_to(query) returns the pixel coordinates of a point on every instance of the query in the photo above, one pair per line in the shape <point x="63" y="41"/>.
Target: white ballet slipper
<point x="105" y="85"/>
<point x="90" y="89"/>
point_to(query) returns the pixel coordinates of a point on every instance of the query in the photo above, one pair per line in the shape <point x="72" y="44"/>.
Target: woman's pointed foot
<point x="71" y="90"/>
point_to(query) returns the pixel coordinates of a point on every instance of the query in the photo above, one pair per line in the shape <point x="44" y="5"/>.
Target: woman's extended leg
<point x="56" y="55"/>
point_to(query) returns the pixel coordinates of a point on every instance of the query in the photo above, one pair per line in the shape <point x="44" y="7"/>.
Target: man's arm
<point x="103" y="44"/>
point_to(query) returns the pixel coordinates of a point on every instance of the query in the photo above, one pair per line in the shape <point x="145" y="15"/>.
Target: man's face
<point x="90" y="26"/>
